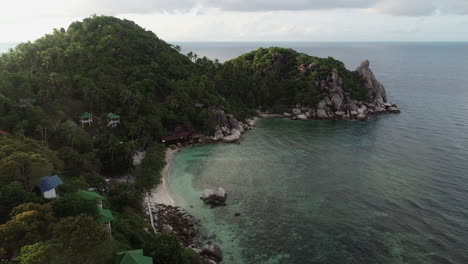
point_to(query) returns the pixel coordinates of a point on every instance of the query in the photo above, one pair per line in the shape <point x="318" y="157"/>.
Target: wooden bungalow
<point x="86" y="118"/>
<point x="132" y="257"/>
<point x="114" y="120"/>
<point x="47" y="186"/>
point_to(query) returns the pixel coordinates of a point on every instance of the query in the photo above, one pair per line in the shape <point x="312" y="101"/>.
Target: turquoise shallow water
<point x="390" y="190"/>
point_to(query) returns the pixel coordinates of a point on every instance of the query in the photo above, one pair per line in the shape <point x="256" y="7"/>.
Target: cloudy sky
<point x="251" y="20"/>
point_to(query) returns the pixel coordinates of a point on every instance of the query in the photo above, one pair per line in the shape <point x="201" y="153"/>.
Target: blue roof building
<point x="47" y="186"/>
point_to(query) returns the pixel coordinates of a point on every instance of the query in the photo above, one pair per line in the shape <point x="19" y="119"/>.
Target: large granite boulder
<point x="302" y="117"/>
<point x="218" y="134"/>
<point x="212" y="252"/>
<point x="296" y="111"/>
<point x="374" y="89"/>
<point x="393" y="109"/>
<point x="214" y="198"/>
<point x="337" y="101"/>
<point x="322" y="114"/>
<point x="231" y="138"/>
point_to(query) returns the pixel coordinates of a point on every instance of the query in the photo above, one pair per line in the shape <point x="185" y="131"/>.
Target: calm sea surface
<point x="390" y="190"/>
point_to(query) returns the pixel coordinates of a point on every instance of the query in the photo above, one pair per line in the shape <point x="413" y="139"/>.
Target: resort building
<point x="132" y="257"/>
<point x="114" y="120"/>
<point x="178" y="135"/>
<point x="47" y="186"/>
<point x="86" y="118"/>
<point x="105" y="215"/>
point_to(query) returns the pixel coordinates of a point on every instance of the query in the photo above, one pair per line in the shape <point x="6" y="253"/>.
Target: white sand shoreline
<point x="162" y="193"/>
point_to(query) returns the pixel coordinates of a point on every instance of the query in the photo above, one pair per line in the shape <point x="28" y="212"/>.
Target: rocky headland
<point x="338" y="104"/>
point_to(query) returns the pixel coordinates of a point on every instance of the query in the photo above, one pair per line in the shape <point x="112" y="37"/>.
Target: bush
<point x="72" y="204"/>
<point x="149" y="173"/>
<point x="125" y="195"/>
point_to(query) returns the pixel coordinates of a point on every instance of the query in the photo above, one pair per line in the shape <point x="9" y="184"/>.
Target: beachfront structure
<point x="47" y="186"/>
<point x="105" y="215"/>
<point x="114" y="119"/>
<point x="132" y="257"/>
<point x="86" y="118"/>
<point x="178" y="135"/>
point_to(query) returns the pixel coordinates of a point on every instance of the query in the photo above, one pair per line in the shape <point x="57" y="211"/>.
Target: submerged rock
<point x="393" y="109"/>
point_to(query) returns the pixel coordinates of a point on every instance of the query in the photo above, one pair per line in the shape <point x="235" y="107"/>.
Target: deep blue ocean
<point x="390" y="190"/>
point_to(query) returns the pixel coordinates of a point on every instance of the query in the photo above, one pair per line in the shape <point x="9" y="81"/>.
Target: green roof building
<point x="86" y="118"/>
<point x="132" y="257"/>
<point x="105" y="216"/>
<point x="114" y="119"/>
<point x="93" y="196"/>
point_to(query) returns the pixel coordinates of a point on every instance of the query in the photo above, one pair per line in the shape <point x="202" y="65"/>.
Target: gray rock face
<point x="393" y="109"/>
<point x="362" y="117"/>
<point x="208" y="261"/>
<point x="337" y="101"/>
<point x="285" y="114"/>
<point x="213" y="252"/>
<point x="322" y="104"/>
<point x="302" y="117"/>
<point x="375" y="90"/>
<point x="231" y="138"/>
<point x="218" y="134"/>
<point x="296" y="111"/>
<point x="312" y="66"/>
<point x="322" y="114"/>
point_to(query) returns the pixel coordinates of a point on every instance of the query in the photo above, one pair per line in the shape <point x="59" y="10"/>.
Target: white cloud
<point x="250" y="20"/>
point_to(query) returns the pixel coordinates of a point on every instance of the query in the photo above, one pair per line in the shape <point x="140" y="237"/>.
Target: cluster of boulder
<point x="338" y="104"/>
<point x="229" y="129"/>
<point x="214" y="197"/>
<point x="176" y="221"/>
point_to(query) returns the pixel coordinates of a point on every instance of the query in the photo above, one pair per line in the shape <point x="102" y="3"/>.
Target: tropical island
<point x="86" y="116"/>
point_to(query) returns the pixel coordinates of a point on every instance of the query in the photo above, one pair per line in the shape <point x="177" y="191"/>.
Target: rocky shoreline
<point x="338" y="104"/>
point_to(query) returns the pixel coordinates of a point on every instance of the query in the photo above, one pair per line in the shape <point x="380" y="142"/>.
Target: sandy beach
<point x="162" y="193"/>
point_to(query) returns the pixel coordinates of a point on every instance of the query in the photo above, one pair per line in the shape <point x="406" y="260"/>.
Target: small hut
<point x="132" y="257"/>
<point x="47" y="186"/>
<point x="114" y="119"/>
<point x="86" y="118"/>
